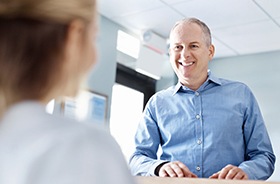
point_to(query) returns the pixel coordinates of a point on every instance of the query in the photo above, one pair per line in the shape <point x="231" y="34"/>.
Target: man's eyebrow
<point x="194" y="42"/>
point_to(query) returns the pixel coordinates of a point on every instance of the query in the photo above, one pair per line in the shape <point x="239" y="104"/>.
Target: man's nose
<point x="185" y="53"/>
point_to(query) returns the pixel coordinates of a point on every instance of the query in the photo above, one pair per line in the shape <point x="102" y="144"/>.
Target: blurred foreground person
<point x="46" y="48"/>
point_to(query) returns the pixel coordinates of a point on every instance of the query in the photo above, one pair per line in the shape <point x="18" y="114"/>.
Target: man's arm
<point x="259" y="157"/>
<point x="147" y="140"/>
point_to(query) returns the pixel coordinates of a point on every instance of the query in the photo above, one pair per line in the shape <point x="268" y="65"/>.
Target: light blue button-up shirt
<point x="207" y="129"/>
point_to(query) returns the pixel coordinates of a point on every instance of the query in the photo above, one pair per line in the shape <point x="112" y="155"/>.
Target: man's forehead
<point x="185" y="33"/>
<point x="185" y="27"/>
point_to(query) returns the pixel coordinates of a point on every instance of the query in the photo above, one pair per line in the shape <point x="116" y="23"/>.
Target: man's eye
<point x="178" y="47"/>
<point x="194" y="46"/>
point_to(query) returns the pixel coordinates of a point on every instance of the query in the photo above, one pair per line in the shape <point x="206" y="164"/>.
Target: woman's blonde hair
<point x="32" y="38"/>
<point x="61" y="11"/>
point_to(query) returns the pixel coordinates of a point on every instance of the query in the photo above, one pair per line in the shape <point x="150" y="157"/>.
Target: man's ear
<point x="211" y="51"/>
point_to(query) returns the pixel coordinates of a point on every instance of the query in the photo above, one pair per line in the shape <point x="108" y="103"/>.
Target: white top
<point x="38" y="148"/>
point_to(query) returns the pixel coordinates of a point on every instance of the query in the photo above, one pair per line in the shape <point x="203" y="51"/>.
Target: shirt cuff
<point x="152" y="171"/>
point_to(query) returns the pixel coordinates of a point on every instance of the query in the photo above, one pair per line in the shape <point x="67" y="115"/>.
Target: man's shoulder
<point x="228" y="82"/>
<point x="165" y="92"/>
<point x="235" y="86"/>
<point x="161" y="96"/>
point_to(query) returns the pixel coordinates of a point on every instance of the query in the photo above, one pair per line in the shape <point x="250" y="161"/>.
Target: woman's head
<point x="45" y="47"/>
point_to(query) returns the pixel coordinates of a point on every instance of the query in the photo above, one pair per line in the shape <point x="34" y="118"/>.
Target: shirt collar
<point x="211" y="78"/>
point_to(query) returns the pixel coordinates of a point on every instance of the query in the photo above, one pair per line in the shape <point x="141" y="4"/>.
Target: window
<point x="128" y="44"/>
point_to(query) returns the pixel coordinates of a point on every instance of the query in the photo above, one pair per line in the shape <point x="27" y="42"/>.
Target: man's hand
<point x="175" y="169"/>
<point x="230" y="172"/>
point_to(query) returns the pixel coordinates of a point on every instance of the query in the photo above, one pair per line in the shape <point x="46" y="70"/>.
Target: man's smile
<point x="186" y="64"/>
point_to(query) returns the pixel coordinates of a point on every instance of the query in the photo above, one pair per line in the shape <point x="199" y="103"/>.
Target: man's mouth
<point x="186" y="64"/>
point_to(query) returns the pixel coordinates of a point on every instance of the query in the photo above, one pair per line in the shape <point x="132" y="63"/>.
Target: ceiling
<point x="238" y="27"/>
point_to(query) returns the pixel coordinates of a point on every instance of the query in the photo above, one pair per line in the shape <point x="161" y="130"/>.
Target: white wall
<point x="261" y="72"/>
<point x="102" y="77"/>
<point x="168" y="77"/>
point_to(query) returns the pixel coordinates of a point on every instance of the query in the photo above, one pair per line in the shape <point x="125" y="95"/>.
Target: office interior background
<point x="133" y="58"/>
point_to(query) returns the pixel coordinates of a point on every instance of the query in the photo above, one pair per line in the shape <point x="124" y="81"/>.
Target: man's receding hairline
<point x="205" y="29"/>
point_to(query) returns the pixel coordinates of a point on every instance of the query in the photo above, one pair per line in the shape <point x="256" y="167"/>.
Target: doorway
<point x="126" y="109"/>
<point x="130" y="94"/>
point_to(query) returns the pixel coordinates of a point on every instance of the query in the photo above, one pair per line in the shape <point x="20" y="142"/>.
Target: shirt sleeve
<point x="144" y="160"/>
<point x="259" y="157"/>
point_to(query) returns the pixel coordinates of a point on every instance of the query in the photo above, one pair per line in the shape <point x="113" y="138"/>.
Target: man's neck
<point x="194" y="84"/>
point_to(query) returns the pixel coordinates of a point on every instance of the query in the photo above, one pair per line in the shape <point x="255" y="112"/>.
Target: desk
<point x="159" y="180"/>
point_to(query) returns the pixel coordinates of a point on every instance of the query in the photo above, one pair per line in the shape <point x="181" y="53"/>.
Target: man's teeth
<point x="186" y="64"/>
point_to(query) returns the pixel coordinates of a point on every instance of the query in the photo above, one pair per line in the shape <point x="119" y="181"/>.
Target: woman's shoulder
<point x="80" y="151"/>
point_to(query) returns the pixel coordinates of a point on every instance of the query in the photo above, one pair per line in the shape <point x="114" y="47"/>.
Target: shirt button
<point x="198" y="168"/>
<point x="199" y="141"/>
<point x="196" y="93"/>
<point x="197" y="116"/>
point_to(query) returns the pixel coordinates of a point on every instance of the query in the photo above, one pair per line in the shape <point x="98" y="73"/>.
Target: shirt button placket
<point x="199" y="132"/>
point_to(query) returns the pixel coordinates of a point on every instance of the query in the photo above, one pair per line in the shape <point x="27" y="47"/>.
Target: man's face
<point x="189" y="54"/>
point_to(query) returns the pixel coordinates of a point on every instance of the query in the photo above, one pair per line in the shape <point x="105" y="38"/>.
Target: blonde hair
<point x="61" y="11"/>
<point x="32" y="41"/>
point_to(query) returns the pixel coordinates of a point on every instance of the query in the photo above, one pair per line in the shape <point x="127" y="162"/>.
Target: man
<point x="207" y="127"/>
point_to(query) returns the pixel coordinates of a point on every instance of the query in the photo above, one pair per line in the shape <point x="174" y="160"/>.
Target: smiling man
<point x="207" y="127"/>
